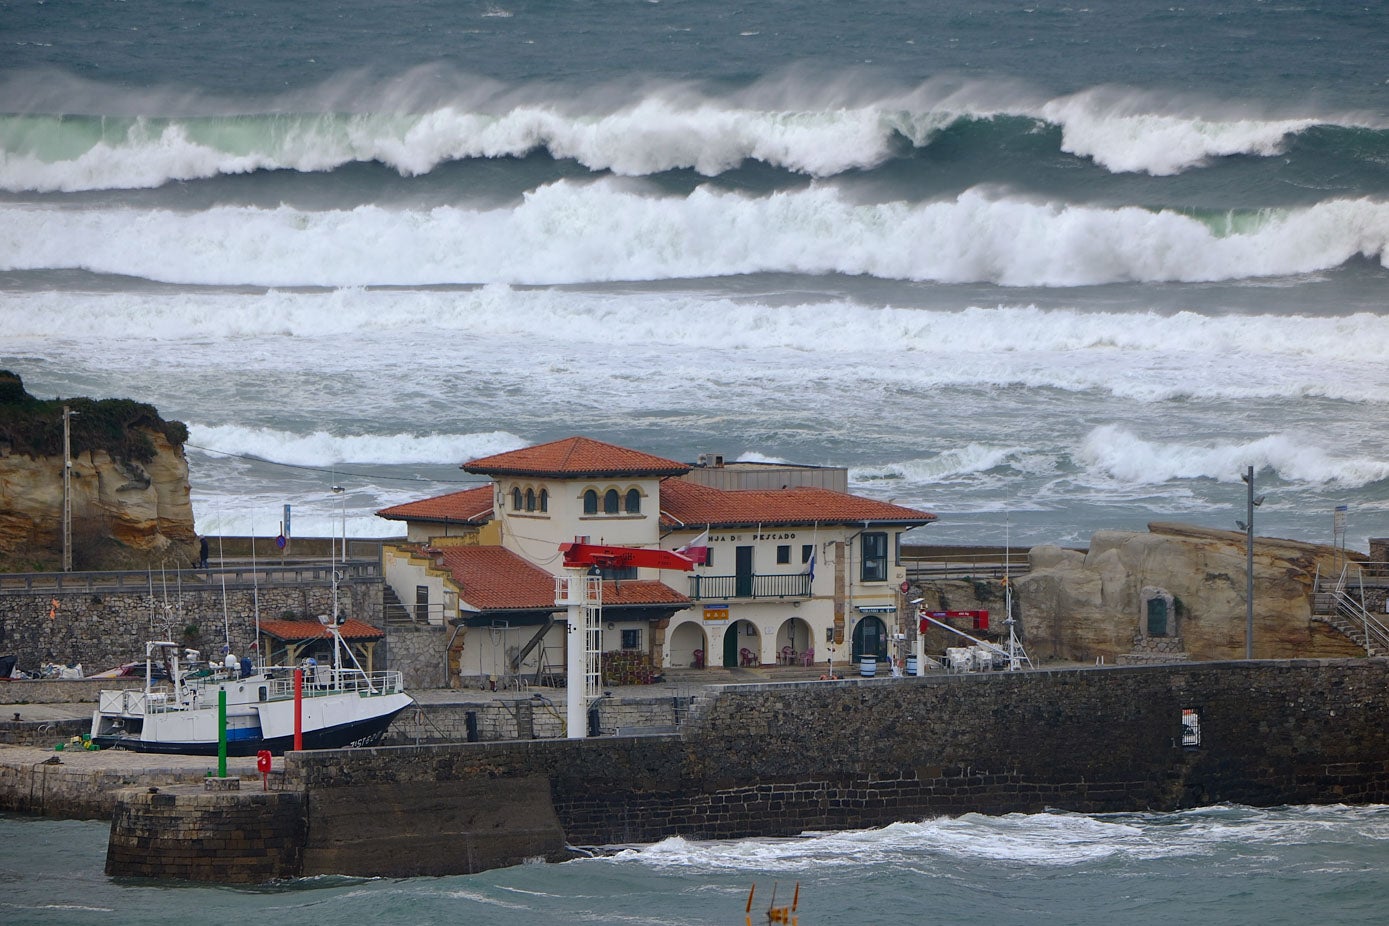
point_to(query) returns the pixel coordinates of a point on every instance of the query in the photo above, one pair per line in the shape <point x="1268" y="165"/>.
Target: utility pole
<point x="67" y="488"/>
<point x="1248" y="526"/>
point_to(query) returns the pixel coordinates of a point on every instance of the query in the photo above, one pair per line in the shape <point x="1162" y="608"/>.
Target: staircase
<point x="1341" y="605"/>
<point x="392" y="611"/>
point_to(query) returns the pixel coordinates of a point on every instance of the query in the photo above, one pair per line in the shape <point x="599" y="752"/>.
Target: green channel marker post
<point x="221" y="733"/>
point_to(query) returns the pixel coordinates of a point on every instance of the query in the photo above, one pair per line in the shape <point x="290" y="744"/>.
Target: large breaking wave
<point x="665" y="128"/>
<point x="611" y="230"/>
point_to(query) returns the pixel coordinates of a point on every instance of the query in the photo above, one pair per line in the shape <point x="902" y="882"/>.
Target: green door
<point x="1157" y="617"/>
<point x="730" y="645"/>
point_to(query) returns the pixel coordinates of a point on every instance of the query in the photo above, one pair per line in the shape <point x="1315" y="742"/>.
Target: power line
<point x="336" y="472"/>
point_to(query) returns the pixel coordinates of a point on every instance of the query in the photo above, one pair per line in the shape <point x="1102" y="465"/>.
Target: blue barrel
<point x="868" y="666"/>
<point x="913" y="668"/>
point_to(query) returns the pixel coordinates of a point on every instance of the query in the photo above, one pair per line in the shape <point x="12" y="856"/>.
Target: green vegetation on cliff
<point x="121" y="427"/>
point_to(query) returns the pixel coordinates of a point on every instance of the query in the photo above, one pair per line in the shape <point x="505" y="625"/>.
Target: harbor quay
<point x="773" y="759"/>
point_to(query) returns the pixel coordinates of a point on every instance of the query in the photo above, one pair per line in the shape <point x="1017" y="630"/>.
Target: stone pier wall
<point x="236" y="837"/>
<point x="775" y="760"/>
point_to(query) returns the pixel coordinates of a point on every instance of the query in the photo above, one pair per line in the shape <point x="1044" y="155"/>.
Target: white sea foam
<point x="1145" y="356"/>
<point x="1119" y="453"/>
<point x="954" y="462"/>
<point x="1045" y="840"/>
<point x="320" y="448"/>
<point x="832" y="127"/>
<point x="569" y="232"/>
<point x="1125" y="133"/>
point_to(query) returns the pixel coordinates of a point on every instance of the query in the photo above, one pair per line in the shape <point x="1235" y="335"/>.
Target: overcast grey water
<point x="1040" y="268"/>
<point x="1215" y="865"/>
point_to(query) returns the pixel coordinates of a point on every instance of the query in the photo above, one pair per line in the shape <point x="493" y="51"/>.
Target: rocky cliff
<point x="130" y="491"/>
<point x="1177" y="590"/>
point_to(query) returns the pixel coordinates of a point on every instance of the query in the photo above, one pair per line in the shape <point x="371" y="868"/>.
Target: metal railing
<point x="983" y="566"/>
<point x="796" y="585"/>
<point x="200" y="690"/>
<point x="238" y="576"/>
<point x="1374" y="634"/>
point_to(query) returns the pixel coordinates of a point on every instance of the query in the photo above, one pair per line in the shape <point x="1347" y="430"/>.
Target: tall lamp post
<point x="1247" y="526"/>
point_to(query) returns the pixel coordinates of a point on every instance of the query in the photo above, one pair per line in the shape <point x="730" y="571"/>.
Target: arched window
<point x="633" y="502"/>
<point x="591" y="502"/>
<point x="610" y="502"/>
<point x="516" y="499"/>
<point x="530" y="499"/>
<point x="544" y="499"/>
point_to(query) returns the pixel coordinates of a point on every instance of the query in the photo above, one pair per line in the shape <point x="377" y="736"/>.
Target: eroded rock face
<point x="124" y="514"/>
<point x="1082" y="606"/>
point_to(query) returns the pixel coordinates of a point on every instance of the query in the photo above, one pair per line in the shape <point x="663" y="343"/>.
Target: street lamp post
<point x="1247" y="526"/>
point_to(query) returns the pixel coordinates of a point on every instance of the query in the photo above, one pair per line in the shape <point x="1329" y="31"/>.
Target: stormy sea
<point x="1040" y="268"/>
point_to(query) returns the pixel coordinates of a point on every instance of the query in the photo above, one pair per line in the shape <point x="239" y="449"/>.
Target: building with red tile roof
<point x="457" y="513"/>
<point x="793" y="574"/>
<point x="575" y="457"/>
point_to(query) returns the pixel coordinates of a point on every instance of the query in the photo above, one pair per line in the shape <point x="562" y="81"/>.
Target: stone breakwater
<point x="776" y="760"/>
<point x="780" y="759"/>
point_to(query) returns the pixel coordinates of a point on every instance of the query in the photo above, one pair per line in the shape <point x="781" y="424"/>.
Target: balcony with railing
<point x="796" y="585"/>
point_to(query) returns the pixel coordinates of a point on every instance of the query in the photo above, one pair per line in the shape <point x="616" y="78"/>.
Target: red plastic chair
<point x="747" y="656"/>
<point x="808" y="657"/>
<point x="699" y="659"/>
<point x="788" y="656"/>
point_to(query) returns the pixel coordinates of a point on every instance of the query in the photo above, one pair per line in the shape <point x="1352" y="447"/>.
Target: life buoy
<point x="263" y="761"/>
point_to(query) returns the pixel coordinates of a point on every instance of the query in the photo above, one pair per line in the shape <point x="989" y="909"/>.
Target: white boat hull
<point x="353" y="710"/>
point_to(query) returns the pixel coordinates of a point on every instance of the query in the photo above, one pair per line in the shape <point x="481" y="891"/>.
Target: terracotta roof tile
<point x="640" y="592"/>
<point x="493" y="578"/>
<point x="352" y="629"/>
<point x="472" y="506"/>
<point x="687" y="503"/>
<point x="575" y="456"/>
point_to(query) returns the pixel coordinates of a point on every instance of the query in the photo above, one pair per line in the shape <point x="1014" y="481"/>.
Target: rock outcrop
<point x="1177" y="591"/>
<point x="130" y="494"/>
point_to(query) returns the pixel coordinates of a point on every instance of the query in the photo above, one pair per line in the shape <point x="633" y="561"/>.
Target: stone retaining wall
<point x="110" y="628"/>
<point x="63" y="691"/>
<point x="775" y="760"/>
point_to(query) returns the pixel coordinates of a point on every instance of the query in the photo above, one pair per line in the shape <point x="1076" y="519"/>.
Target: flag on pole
<point x="810" y="566"/>
<point x="697" y="549"/>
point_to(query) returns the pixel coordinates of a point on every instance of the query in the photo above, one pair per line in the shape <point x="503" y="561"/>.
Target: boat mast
<point x="1016" y="654"/>
<point x="255" y="599"/>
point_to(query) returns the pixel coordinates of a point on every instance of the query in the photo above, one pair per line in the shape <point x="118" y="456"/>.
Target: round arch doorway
<point x="738" y="638"/>
<point x="688" y="646"/>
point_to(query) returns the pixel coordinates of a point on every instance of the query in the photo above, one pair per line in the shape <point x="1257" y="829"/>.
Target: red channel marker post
<point x="298" y="709"/>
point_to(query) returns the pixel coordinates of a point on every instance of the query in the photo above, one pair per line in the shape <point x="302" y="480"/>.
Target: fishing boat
<point x="337" y="705"/>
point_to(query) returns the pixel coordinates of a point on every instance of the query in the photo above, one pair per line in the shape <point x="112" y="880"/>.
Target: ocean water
<point x="1040" y="268"/>
<point x="1214" y="865"/>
